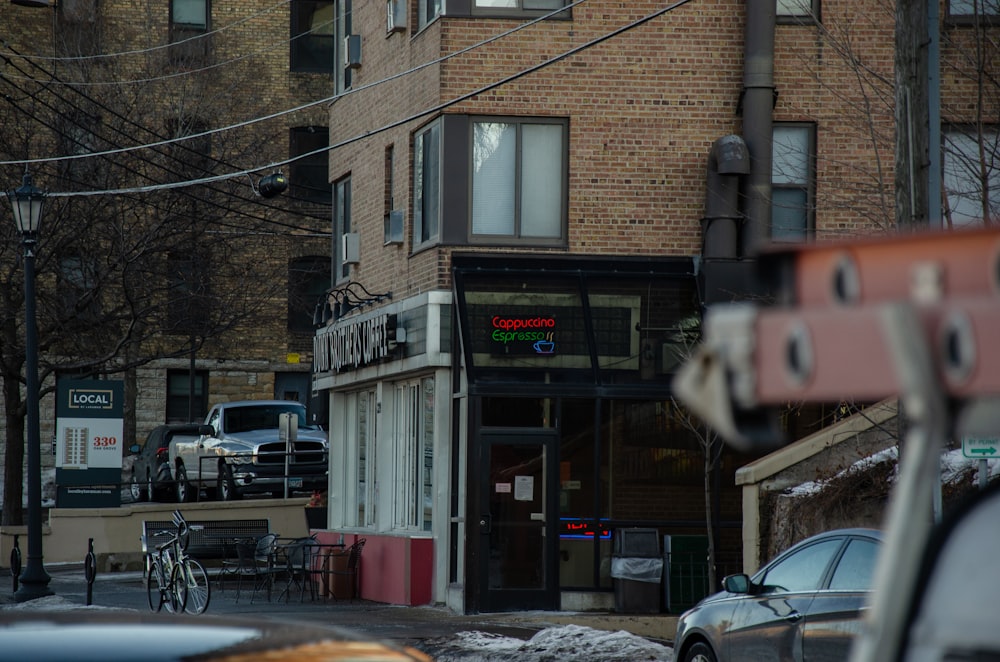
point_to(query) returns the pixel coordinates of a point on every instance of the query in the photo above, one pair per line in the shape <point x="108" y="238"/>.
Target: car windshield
<point x="261" y="417"/>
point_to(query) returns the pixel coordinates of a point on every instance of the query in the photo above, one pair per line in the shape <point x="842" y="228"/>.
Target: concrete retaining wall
<point x="116" y="531"/>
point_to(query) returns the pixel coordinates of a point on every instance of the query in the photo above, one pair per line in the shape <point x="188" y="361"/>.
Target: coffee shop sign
<point x="350" y="346"/>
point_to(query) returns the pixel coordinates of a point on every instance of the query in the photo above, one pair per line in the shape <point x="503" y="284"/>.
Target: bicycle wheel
<point x="178" y="593"/>
<point x="198" y="586"/>
<point x="154" y="585"/>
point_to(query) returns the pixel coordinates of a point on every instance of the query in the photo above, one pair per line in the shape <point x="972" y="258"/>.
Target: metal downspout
<point x="727" y="160"/>
<point x="758" y="113"/>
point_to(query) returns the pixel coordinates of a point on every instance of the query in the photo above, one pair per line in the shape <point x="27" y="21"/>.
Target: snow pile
<point x="954" y="468"/>
<point x="567" y="643"/>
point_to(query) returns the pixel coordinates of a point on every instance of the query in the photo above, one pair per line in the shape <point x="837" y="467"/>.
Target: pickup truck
<point x="243" y="453"/>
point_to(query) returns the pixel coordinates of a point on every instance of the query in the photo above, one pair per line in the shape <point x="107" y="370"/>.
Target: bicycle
<point x="164" y="584"/>
<point x="177" y="580"/>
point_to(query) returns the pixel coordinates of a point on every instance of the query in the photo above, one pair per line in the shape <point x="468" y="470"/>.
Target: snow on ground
<point x="566" y="643"/>
<point x="953" y="466"/>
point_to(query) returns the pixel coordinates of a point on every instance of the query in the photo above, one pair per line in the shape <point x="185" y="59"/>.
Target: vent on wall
<point x="395" y="15"/>
<point x="352" y="51"/>
<point x="350" y="248"/>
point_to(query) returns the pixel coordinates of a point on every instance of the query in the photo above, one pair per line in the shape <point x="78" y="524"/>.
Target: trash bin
<point x="637" y="571"/>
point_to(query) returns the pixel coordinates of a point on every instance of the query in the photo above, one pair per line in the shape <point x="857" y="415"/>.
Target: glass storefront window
<point x="643" y="327"/>
<point x="576" y="325"/>
<point x="518" y="412"/>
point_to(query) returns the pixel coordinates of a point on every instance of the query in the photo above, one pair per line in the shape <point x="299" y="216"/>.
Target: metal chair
<point x="299" y="563"/>
<point x="351" y="569"/>
<point x="256" y="561"/>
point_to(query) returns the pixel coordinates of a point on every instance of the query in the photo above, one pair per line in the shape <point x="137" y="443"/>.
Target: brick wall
<point x="249" y="78"/>
<point x="644" y="109"/>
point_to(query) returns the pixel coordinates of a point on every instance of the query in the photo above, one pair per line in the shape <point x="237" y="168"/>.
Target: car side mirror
<point x="206" y="430"/>
<point x="739" y="583"/>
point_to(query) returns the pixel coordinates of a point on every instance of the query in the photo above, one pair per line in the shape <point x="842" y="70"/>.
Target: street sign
<point x="981" y="448"/>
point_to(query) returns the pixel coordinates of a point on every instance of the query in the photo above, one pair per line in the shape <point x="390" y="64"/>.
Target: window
<point x="341" y="226"/>
<point x="78" y="135"/>
<point x="797" y="11"/>
<point x="183" y="404"/>
<point x="856" y="567"/>
<point x="518" y="179"/>
<point x="79" y="291"/>
<point x="414" y="453"/>
<point x="971" y="166"/>
<point x="427" y="184"/>
<point x="341" y="30"/>
<point x="194" y="153"/>
<point x="791" y="182"/>
<point x="308" y="279"/>
<point x="309" y="179"/>
<point x="970" y="8"/>
<point x="803" y="570"/>
<point x="312" y="46"/>
<point x="189" y="293"/>
<point x="367" y="465"/>
<point x="189" y="25"/>
<point x="427" y="11"/>
<point x="517" y="6"/>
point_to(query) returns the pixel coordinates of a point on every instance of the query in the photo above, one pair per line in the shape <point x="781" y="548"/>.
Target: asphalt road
<point x="400" y="624"/>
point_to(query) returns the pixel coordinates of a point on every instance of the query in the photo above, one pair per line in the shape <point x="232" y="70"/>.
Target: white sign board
<point x="981" y="448"/>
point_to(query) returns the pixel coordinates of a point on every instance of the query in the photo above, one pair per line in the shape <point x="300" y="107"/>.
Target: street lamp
<point x="27" y="204"/>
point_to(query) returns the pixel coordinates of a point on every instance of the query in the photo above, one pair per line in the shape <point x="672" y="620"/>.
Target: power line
<point x="306" y="106"/>
<point x="153" y="49"/>
<point x="178" y="74"/>
<point x="386" y="127"/>
<point x="212" y="203"/>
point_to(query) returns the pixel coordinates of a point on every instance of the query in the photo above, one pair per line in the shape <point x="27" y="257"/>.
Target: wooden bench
<point x="208" y="539"/>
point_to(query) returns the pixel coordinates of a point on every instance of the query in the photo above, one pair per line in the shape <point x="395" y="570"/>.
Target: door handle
<point x="794" y="617"/>
<point x="486" y="524"/>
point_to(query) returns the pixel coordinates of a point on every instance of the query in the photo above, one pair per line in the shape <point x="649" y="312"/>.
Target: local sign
<point x="89" y="442"/>
<point x="981" y="448"/>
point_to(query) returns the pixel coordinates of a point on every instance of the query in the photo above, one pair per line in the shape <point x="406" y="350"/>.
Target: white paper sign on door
<point x="524" y="488"/>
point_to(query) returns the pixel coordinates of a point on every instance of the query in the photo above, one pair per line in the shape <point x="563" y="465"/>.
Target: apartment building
<point x="171" y="257"/>
<point x="533" y="203"/>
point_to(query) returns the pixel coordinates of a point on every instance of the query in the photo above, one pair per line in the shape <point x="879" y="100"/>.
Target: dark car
<point x="806" y="604"/>
<point x="151" y="475"/>
<point x="110" y="635"/>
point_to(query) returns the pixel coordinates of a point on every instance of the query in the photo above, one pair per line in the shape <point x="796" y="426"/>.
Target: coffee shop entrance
<point x="571" y="429"/>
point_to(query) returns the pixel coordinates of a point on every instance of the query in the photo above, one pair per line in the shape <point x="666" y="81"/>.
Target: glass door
<point x="518" y="521"/>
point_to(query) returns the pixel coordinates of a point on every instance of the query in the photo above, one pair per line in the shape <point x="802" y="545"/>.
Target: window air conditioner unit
<point x="394" y="227"/>
<point x="352" y="51"/>
<point x="350" y="248"/>
<point x="396" y="15"/>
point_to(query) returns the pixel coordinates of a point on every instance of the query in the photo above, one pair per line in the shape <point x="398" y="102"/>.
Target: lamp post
<point x="27" y="204"/>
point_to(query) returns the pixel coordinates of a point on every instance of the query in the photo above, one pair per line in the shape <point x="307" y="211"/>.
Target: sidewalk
<point x="401" y="624"/>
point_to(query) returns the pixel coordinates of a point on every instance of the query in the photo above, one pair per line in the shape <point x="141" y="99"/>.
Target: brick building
<point x="533" y="202"/>
<point x="206" y="291"/>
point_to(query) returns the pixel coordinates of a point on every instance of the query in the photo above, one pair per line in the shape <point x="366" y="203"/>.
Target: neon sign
<point x="513" y="334"/>
<point x="576" y="528"/>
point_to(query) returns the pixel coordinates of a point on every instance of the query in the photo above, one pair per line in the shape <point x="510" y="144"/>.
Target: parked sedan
<point x="151" y="475"/>
<point x="806" y="605"/>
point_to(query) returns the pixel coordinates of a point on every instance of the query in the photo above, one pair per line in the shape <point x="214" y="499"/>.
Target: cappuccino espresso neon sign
<point x="511" y="333"/>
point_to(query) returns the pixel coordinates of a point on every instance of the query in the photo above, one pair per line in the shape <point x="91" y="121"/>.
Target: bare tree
<point x="132" y="277"/>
